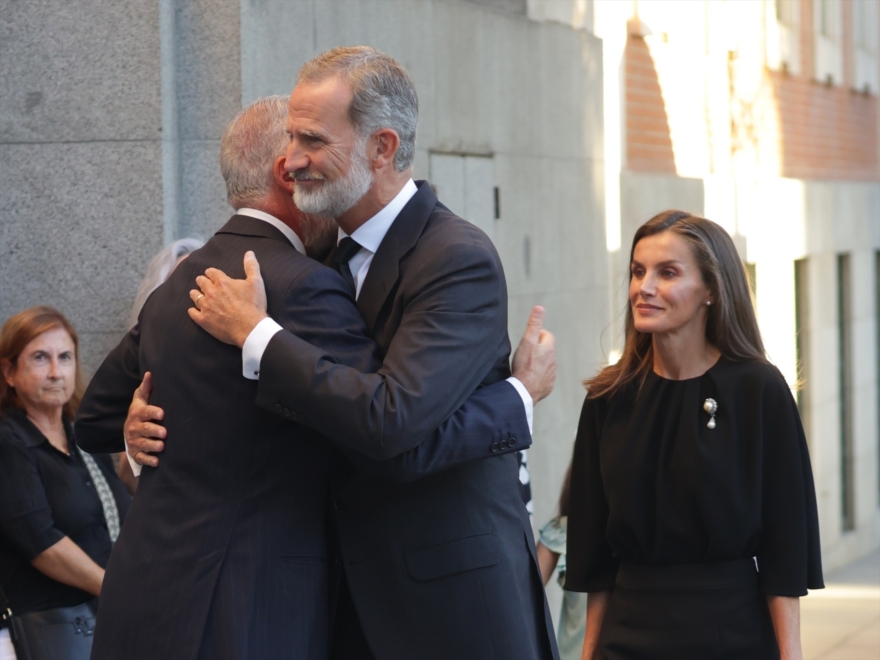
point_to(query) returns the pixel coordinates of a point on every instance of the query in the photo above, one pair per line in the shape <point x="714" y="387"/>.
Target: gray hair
<point x="249" y="147"/>
<point x="383" y="94"/>
<point x="159" y="269"/>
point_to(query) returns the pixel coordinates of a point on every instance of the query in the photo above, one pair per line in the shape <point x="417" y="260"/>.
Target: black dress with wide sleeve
<point x="652" y="485"/>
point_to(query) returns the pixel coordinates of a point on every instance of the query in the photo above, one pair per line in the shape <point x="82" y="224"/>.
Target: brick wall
<point x="793" y="126"/>
<point x="648" y="142"/>
<point x="825" y="132"/>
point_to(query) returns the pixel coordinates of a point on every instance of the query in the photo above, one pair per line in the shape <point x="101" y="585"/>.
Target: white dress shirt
<point x="369" y="236"/>
<point x="297" y="244"/>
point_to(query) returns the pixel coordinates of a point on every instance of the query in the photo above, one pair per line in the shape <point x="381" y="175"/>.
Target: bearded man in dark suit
<point x="443" y="567"/>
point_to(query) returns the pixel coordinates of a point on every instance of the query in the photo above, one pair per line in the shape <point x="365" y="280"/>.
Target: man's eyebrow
<point x="310" y="133"/>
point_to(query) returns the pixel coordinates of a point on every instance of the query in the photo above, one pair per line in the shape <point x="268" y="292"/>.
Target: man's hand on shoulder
<point x="534" y="362"/>
<point x="142" y="436"/>
<point x="230" y="309"/>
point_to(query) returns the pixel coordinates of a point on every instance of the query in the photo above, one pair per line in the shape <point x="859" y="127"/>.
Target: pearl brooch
<point x="711" y="407"/>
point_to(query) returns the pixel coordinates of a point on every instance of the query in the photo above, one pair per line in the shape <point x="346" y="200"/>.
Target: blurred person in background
<point x="158" y="270"/>
<point x="693" y="522"/>
<point x="60" y="509"/>
<point x="551" y="558"/>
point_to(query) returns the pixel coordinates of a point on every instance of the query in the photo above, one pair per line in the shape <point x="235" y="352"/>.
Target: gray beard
<point x="332" y="199"/>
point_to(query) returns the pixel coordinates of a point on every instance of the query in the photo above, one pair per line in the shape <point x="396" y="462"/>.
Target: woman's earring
<point x="711" y="407"/>
<point x="708" y="302"/>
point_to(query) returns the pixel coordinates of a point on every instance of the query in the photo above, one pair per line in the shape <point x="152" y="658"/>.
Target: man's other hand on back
<point x="143" y="437"/>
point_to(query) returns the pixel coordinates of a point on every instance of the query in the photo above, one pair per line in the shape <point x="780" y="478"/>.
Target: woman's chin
<point x="647" y="328"/>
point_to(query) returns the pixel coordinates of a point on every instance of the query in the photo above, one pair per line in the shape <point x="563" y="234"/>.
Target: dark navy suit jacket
<point x="224" y="552"/>
<point x="442" y="567"/>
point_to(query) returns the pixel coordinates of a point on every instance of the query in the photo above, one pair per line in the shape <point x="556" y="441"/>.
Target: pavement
<point x="842" y="621"/>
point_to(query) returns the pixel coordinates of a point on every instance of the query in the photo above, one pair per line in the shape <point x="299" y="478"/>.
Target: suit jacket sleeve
<point x="100" y="418"/>
<point x="491" y="422"/>
<point x="449" y="338"/>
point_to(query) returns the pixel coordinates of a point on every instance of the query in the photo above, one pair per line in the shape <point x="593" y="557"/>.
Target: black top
<point x="44" y="496"/>
<point x="651" y="484"/>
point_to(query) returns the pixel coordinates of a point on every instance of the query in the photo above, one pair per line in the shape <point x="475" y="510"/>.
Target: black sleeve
<point x="101" y="416"/>
<point x="446" y="343"/>
<point x="789" y="558"/>
<point x="25" y="516"/>
<point x="590" y="564"/>
<point x="491" y="422"/>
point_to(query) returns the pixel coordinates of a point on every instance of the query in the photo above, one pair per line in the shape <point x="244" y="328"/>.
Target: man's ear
<point x="383" y="147"/>
<point x="283" y="178"/>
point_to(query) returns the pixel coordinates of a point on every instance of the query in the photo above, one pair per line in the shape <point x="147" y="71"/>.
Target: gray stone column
<point x="80" y="160"/>
<point x="111" y="113"/>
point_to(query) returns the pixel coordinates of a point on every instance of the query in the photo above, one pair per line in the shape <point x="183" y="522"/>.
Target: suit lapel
<point x="243" y="225"/>
<point x="400" y="239"/>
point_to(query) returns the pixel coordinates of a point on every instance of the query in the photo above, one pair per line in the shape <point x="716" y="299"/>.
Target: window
<point x="786" y="11"/>
<point x="865" y="45"/>
<point x="826" y="31"/>
<point x="783" y="35"/>
<point x="752" y="275"/>
<point x="826" y="24"/>
<point x="845" y="389"/>
<point x="877" y="355"/>
<point x="802" y="340"/>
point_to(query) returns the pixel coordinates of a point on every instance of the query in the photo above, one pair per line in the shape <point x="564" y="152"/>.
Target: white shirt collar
<point x="275" y="222"/>
<point x="370" y="234"/>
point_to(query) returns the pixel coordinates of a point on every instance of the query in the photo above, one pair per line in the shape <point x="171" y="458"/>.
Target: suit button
<point x="337" y="503"/>
<point x="277" y="407"/>
<point x="495" y="448"/>
<point x="504" y="444"/>
<point x="512" y="442"/>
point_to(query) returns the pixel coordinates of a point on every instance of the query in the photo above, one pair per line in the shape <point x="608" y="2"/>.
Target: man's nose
<point x="295" y="158"/>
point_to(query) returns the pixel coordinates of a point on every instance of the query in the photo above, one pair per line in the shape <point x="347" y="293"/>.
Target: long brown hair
<point x="564" y="494"/>
<point x="21" y="330"/>
<point x="731" y="326"/>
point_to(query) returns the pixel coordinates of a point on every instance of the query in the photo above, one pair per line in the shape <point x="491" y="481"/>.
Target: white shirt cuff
<point x="254" y="347"/>
<point x="135" y="466"/>
<point x="527" y="399"/>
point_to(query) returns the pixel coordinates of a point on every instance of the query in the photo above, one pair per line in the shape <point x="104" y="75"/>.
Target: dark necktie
<point x="348" y="247"/>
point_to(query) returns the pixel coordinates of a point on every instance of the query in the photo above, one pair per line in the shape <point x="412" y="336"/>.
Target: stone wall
<point x="80" y="160"/>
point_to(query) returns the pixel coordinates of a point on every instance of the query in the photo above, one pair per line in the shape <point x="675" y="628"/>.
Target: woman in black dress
<point x="60" y="509"/>
<point x="693" y="521"/>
